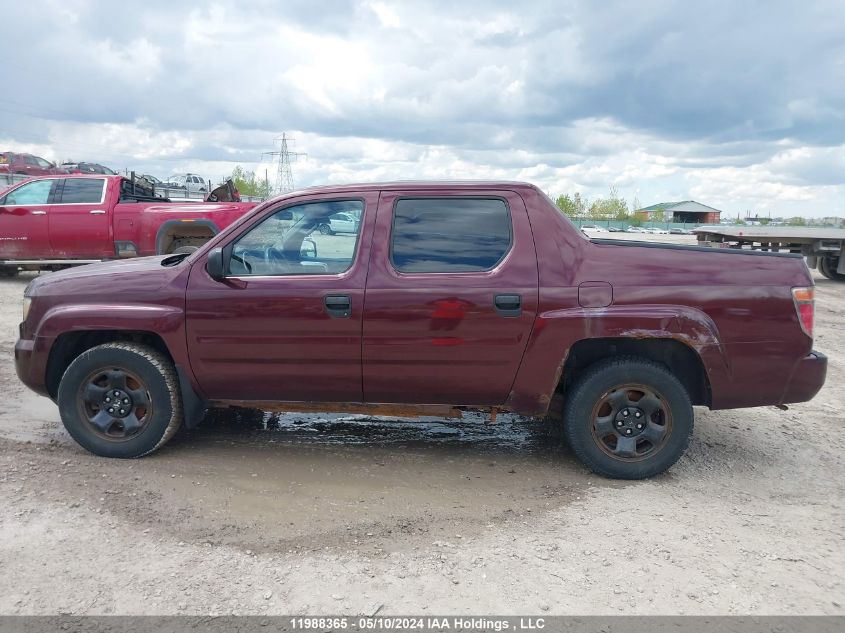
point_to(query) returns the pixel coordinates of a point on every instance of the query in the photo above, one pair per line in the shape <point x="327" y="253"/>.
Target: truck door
<point x="80" y="222"/>
<point x="23" y="220"/>
<point x="451" y="297"/>
<point x="286" y="322"/>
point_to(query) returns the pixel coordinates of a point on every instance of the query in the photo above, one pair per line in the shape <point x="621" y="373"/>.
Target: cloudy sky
<point x="739" y="105"/>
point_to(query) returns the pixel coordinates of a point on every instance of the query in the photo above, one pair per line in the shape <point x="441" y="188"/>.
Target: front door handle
<point x="97" y="212"/>
<point x="508" y="305"/>
<point x="338" y="306"/>
<point x="39" y="213"/>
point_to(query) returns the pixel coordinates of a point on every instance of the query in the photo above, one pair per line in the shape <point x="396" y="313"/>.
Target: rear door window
<point x="440" y="235"/>
<point x="83" y="191"/>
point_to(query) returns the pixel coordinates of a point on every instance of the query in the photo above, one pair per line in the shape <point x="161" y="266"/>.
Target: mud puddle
<point x="305" y="482"/>
<point x="507" y="433"/>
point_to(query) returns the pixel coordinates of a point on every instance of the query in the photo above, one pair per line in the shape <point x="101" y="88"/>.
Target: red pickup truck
<point x="445" y="297"/>
<point x="75" y="219"/>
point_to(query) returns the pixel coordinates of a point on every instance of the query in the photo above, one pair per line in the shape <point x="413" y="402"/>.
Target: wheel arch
<point x="171" y="230"/>
<point x="668" y="334"/>
<point x="679" y="358"/>
<point x="70" y="345"/>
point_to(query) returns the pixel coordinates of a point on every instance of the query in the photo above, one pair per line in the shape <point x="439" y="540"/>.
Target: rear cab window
<point x="447" y="235"/>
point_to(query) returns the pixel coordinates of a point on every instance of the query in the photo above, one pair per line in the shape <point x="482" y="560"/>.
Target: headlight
<point x="27" y="301"/>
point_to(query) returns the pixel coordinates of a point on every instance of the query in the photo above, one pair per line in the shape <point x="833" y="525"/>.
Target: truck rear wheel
<point x="120" y="400"/>
<point x="628" y="418"/>
<point x="827" y="267"/>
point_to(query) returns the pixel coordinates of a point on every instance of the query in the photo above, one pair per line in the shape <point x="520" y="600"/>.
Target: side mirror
<point x="214" y="265"/>
<point x="309" y="249"/>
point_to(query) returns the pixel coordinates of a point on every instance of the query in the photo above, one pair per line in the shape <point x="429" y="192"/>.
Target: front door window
<point x="289" y="242"/>
<point x="37" y="192"/>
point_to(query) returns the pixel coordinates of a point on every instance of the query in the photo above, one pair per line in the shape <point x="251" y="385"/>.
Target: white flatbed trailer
<point x="823" y="248"/>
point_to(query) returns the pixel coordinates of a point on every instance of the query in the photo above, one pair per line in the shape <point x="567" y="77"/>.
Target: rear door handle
<point x="508" y="305"/>
<point x="97" y="212"/>
<point x="338" y="306"/>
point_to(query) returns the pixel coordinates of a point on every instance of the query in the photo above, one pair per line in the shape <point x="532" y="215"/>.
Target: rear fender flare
<point x="557" y="331"/>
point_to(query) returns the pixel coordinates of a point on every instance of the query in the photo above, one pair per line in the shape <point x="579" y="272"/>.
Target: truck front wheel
<point x="120" y="400"/>
<point x="628" y="418"/>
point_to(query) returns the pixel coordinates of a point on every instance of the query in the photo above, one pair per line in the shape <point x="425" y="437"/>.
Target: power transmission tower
<point x="283" y="157"/>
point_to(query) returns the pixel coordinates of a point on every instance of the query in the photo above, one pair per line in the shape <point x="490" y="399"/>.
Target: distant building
<point x="833" y="221"/>
<point x="688" y="211"/>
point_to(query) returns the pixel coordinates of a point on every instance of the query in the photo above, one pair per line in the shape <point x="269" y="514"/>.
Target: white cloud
<point x="386" y="15"/>
<point x="668" y="100"/>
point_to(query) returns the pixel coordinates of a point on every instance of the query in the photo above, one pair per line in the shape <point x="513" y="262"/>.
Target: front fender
<point x="557" y="331"/>
<point x="163" y="320"/>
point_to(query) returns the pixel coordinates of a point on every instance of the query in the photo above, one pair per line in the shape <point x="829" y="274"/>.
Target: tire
<point x="827" y="267"/>
<point x="185" y="245"/>
<point x="184" y="249"/>
<point x="605" y="399"/>
<point x="150" y="385"/>
<point x="325" y="229"/>
<point x="9" y="271"/>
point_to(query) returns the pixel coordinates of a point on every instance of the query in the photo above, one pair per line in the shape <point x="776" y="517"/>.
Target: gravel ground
<point x="261" y="514"/>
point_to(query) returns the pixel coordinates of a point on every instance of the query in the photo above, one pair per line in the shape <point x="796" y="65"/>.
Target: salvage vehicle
<point x="27" y="165"/>
<point x="339" y="223"/>
<point x="451" y="297"/>
<point x="87" y="168"/>
<point x="191" y="182"/>
<point x="54" y="222"/>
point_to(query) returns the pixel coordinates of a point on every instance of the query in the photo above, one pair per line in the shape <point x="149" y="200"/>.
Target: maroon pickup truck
<point x="57" y="221"/>
<point x="445" y="297"/>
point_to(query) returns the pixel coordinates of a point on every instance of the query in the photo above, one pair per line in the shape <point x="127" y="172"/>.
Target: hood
<point x="119" y="278"/>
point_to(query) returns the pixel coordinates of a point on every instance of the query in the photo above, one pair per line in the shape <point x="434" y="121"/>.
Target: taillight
<point x="804" y="306"/>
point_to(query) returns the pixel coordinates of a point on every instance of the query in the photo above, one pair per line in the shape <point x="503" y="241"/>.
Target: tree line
<point x="612" y="207"/>
<point x="248" y="184"/>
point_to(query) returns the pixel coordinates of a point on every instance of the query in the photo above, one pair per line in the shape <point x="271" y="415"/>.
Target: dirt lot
<point x="259" y="514"/>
